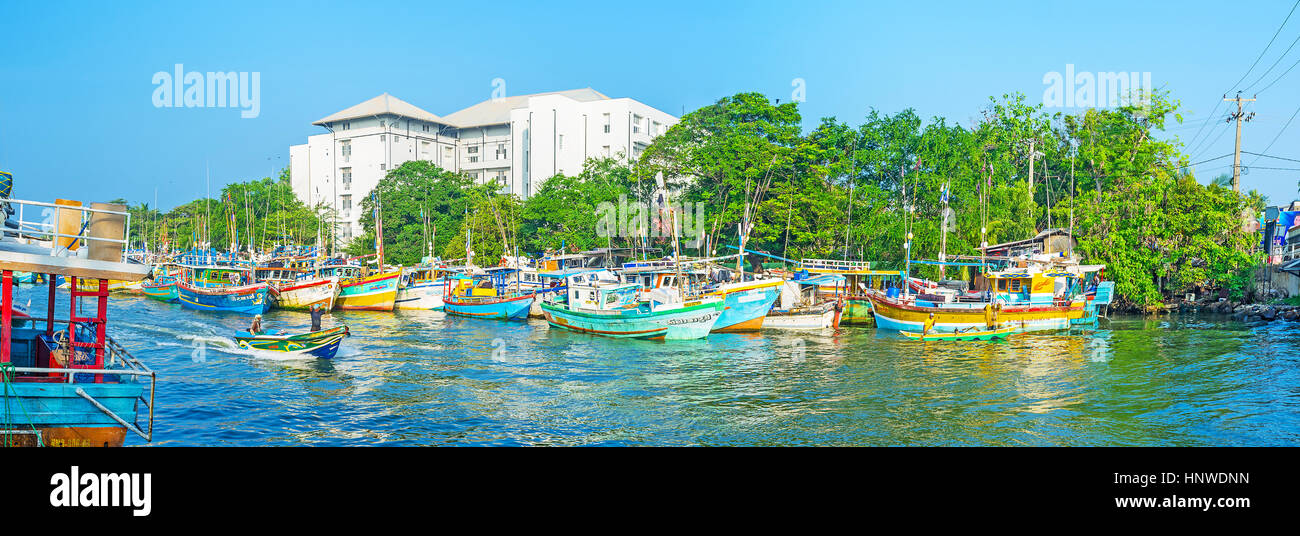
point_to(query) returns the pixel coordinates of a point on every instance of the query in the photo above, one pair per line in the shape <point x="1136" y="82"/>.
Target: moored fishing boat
<point x="1030" y="297"/>
<point x="801" y="307"/>
<point x="859" y="278"/>
<point x="423" y="287"/>
<point x="74" y="386"/>
<point x="298" y="289"/>
<point x="486" y="295"/>
<point x="163" y="285"/>
<point x="747" y="302"/>
<point x="223" y="288"/>
<point x="365" y="292"/>
<point x="595" y="302"/>
<point x="323" y="344"/>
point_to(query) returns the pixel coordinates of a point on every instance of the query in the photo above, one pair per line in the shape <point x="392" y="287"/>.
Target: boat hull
<point x="857" y="310"/>
<point x="372" y="293"/>
<point x="323" y="344"/>
<point x="165" y="292"/>
<point x="809" y="318"/>
<point x="747" y="306"/>
<point x="65" y="419"/>
<point x="515" y="308"/>
<point x="422" y="296"/>
<point x="896" y="316"/>
<point x="302" y="295"/>
<point x="985" y="335"/>
<point x="685" y="323"/>
<point x="247" y="299"/>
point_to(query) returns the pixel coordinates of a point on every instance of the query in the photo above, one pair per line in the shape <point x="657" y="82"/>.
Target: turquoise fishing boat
<point x="163" y="286"/>
<point x="486" y="296"/>
<point x="595" y="302"/>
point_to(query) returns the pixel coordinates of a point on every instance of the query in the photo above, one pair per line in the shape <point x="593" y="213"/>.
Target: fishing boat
<point x="1038" y="294"/>
<point x="73" y="386"/>
<point x="859" y="278"/>
<point x="298" y="289"/>
<point x="422" y="287"/>
<point x="486" y="295"/>
<point x="323" y="344"/>
<point x="360" y="291"/>
<point x="970" y="335"/>
<point x="747" y="302"/>
<point x="223" y="288"/>
<point x="801" y="307"/>
<point x="597" y="303"/>
<point x="163" y="285"/>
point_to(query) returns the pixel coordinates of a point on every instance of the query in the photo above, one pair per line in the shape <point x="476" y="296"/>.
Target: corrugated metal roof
<point x="383" y="104"/>
<point x="495" y="112"/>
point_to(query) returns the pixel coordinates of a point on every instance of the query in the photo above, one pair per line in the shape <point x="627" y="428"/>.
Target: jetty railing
<point x="47" y="228"/>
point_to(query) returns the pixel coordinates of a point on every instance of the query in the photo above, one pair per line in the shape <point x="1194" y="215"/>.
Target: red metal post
<point x="6" y="313"/>
<point x="49" y="307"/>
<point x="73" y="286"/>
<point x="101" y="326"/>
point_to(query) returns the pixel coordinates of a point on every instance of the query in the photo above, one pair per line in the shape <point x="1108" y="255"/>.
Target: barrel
<point x="891" y="292"/>
<point x="109" y="226"/>
<point x="68" y="221"/>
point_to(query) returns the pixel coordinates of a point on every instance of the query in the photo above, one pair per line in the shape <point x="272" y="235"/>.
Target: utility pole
<point x="1236" y="158"/>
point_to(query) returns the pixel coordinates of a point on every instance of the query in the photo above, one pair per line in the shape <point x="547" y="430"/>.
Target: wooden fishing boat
<point x="595" y="302"/>
<point x="74" y="386"/>
<point x="374" y="292"/>
<point x="801" y="307"/>
<point x="223" y="288"/>
<point x="486" y="295"/>
<point x="163" y="285"/>
<point x="298" y="289"/>
<point x="323" y="344"/>
<point x="422" y="288"/>
<point x="747" y="303"/>
<point x="859" y="278"/>
<point x="970" y="335"/>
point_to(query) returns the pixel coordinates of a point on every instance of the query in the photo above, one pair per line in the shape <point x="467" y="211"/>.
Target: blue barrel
<point x="891" y="292"/>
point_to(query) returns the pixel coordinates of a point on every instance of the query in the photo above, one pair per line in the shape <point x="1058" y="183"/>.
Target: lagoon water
<point x="423" y="378"/>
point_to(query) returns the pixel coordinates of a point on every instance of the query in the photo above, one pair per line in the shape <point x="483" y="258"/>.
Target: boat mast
<point x="943" y="236"/>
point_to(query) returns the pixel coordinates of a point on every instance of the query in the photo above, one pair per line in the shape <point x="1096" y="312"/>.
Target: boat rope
<point x="7" y="373"/>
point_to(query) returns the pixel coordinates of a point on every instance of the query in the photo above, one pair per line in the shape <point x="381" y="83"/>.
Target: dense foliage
<point x="840" y="191"/>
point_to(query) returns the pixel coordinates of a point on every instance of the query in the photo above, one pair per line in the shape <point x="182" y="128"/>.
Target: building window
<point x="655" y="128"/>
<point x="381" y="123"/>
<point x="501" y="151"/>
<point x="347" y="178"/>
<point x="473" y="149"/>
<point x="606" y="118"/>
<point x="605" y="150"/>
<point x="636" y="124"/>
<point x="381" y="137"/>
<point x="381" y="167"/>
<point x="561" y="142"/>
<point x="347" y="231"/>
<point x="473" y="159"/>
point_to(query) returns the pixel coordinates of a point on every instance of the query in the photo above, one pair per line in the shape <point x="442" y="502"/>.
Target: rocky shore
<point x="1246" y="312"/>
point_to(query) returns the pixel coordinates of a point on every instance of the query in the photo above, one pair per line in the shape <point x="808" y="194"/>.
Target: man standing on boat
<point x="316" y="312"/>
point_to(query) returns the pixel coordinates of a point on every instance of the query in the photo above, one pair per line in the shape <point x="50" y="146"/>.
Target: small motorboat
<point x="323" y="344"/>
<point x="971" y="335"/>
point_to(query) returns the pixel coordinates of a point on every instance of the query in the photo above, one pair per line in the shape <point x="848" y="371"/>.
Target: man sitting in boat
<point x="316" y="312"/>
<point x="929" y="324"/>
<point x="256" y="327"/>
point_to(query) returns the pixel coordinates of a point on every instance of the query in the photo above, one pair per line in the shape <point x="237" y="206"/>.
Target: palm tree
<point x="1224" y="181"/>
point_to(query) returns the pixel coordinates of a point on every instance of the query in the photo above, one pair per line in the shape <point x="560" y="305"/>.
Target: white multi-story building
<point x="516" y="142"/>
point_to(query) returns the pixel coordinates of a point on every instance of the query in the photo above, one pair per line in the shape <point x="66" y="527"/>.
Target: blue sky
<point x="77" y="118"/>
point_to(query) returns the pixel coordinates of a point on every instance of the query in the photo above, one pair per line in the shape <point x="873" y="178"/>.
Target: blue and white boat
<point x="223" y="288"/>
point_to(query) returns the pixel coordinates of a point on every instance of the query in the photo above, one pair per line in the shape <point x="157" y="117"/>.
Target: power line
<point x="1252" y="67"/>
<point x="1272" y="156"/>
<point x="1279" y="134"/>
